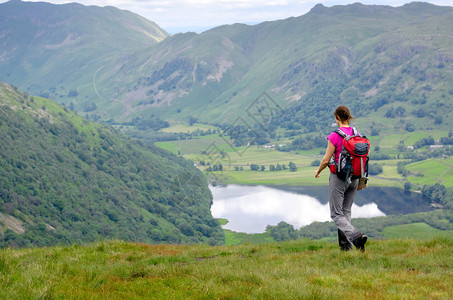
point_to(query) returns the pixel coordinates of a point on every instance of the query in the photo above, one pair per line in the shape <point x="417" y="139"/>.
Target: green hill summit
<point x="61" y="47"/>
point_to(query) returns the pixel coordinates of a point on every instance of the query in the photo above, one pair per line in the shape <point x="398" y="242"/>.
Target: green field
<point x="244" y="157"/>
<point x="181" y="127"/>
<point x="432" y="171"/>
<point x="219" y="150"/>
<point x="419" y="231"/>
<point x="390" y="142"/>
<point x="302" y="269"/>
<point x="194" y="147"/>
<point x="235" y="238"/>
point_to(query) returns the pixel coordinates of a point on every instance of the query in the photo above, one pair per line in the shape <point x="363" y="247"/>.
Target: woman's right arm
<point x="325" y="161"/>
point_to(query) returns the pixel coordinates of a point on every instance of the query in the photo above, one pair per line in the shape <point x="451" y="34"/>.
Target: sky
<point x="177" y="16"/>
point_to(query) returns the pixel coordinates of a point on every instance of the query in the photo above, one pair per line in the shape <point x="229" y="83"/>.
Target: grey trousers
<point x="341" y="199"/>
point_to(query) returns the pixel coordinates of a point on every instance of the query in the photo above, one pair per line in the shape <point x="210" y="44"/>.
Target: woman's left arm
<point x="325" y="161"/>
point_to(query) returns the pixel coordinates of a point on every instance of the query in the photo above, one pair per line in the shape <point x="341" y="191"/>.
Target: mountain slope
<point x="65" y="180"/>
<point x="53" y="49"/>
<point x="355" y="54"/>
<point x="370" y="57"/>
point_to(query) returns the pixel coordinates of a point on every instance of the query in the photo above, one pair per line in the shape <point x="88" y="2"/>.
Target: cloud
<point x="251" y="208"/>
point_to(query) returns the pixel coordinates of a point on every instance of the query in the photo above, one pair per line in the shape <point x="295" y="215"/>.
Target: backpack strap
<point x="344" y="135"/>
<point x="340" y="132"/>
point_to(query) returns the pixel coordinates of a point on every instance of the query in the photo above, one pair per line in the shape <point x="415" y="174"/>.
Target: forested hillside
<point x="65" y="180"/>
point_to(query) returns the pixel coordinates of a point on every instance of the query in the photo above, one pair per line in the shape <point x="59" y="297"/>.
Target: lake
<point x="250" y="209"/>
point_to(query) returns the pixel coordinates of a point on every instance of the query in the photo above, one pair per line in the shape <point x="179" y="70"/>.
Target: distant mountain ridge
<point x="51" y="49"/>
<point x="365" y="56"/>
<point x="370" y="57"/>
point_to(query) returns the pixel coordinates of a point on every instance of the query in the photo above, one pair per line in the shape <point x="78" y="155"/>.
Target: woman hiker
<point x="341" y="196"/>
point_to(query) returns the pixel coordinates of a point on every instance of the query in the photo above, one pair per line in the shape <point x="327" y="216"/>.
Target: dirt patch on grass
<point x="12" y="223"/>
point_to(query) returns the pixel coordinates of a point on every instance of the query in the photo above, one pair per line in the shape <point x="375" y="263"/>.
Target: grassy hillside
<point x="64" y="179"/>
<point x="302" y="269"/>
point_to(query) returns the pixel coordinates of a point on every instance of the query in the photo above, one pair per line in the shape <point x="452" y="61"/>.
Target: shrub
<point x="315" y="163"/>
<point x="410" y="127"/>
<point x="375" y="169"/>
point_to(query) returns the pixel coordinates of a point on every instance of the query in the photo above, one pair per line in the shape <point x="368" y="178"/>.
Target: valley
<point x="215" y="149"/>
<point x="133" y="161"/>
<point x="141" y="121"/>
<point x="210" y="151"/>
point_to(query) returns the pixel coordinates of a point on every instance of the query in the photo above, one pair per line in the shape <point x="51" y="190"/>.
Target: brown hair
<point x="343" y="114"/>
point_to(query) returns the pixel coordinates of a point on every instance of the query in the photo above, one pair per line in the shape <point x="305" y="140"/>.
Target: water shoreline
<point x="247" y="207"/>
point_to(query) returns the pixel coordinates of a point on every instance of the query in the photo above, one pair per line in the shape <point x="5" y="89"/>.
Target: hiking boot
<point x="345" y="248"/>
<point x="360" y="241"/>
<point x="345" y="244"/>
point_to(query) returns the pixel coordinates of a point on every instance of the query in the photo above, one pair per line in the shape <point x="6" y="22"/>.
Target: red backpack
<point x="353" y="160"/>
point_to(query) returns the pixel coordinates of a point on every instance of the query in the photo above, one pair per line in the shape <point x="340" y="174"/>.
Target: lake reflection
<point x="250" y="209"/>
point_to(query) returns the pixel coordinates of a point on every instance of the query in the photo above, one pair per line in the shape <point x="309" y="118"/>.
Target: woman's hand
<point x="325" y="161"/>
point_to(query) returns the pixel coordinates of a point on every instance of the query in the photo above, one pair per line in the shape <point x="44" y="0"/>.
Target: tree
<point x="73" y="93"/>
<point x="254" y="167"/>
<point x="407" y="186"/>
<point x="292" y="166"/>
<point x="438" y="120"/>
<point x="374" y="131"/>
<point x="390" y="113"/>
<point x="375" y="169"/>
<point x="436" y="193"/>
<point x="420" y="113"/>
<point x="401" y="167"/>
<point x="315" y="163"/>
<point x="401" y="147"/>
<point x="400" y="111"/>
<point x="410" y="127"/>
<point x="192" y="120"/>
<point x="185" y="228"/>
<point x="88" y="107"/>
<point x="283" y="231"/>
